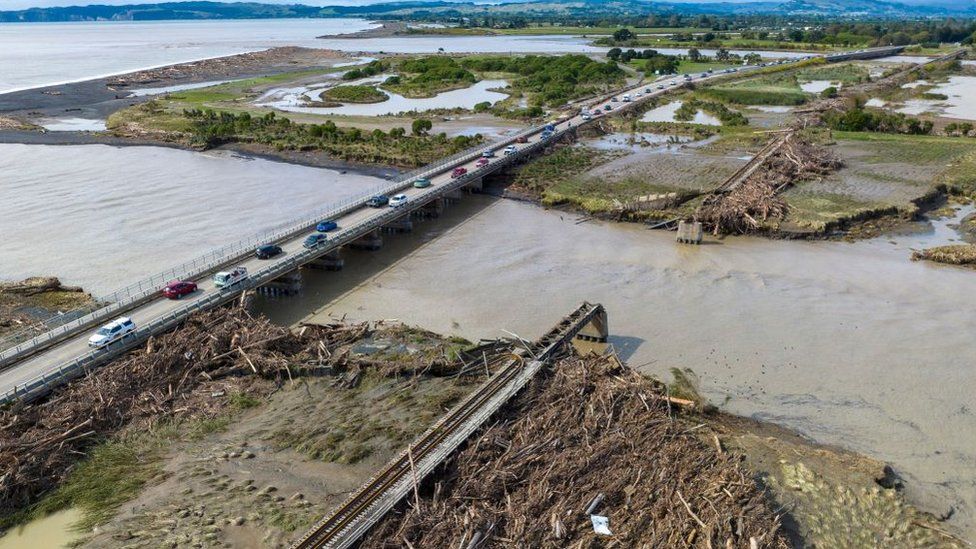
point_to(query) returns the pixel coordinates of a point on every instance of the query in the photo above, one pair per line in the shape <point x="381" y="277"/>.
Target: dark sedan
<point x="267" y="251"/>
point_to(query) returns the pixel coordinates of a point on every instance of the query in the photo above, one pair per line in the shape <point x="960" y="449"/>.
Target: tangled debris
<point x="595" y="438"/>
<point x="180" y="375"/>
<point x="745" y="207"/>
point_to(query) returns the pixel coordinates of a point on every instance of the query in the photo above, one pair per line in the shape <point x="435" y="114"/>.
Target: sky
<point x="23" y="4"/>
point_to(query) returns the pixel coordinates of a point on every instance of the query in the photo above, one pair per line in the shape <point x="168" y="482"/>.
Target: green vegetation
<point x="355" y="94"/>
<point x="370" y="69"/>
<point x="552" y="81"/>
<point x="650" y="61"/>
<point x="428" y="76"/>
<point x="686" y="112"/>
<point x="861" y="120"/>
<point x="209" y="128"/>
<point x="776" y="85"/>
<point x="114" y="473"/>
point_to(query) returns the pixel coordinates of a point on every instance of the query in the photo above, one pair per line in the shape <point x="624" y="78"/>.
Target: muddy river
<point x="104" y="217"/>
<point x="851" y="344"/>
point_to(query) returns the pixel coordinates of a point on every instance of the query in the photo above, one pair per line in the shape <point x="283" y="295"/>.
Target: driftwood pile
<point x="36" y="285"/>
<point x="188" y="373"/>
<point x="745" y="207"/>
<point x="594" y="439"/>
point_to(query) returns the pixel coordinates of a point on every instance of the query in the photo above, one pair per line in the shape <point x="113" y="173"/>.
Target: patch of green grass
<point x="758" y="95"/>
<point x="205" y="427"/>
<point x="243" y="401"/>
<point x="114" y="473"/>
<point x="689" y="67"/>
<point x="355" y="94"/>
<point x="846" y="73"/>
<point x="918" y="149"/>
<point x="815" y="212"/>
<point x="543" y="173"/>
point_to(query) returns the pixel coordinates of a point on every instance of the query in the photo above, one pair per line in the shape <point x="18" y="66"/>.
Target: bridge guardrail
<point x="356" y="202"/>
<point x="64" y="325"/>
<point x="40" y="384"/>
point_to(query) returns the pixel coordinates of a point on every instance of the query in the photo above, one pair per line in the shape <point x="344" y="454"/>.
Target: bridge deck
<point x="45" y="361"/>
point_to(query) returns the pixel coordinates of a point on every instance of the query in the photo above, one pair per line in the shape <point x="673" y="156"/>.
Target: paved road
<point x="48" y="360"/>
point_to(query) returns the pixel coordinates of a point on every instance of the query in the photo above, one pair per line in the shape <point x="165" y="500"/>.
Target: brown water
<point x="851" y="344"/>
<point x="50" y="532"/>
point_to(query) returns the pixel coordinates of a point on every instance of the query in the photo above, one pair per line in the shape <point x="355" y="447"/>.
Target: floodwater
<point x="851" y="344"/>
<point x="51" y="532"/>
<point x="142" y="92"/>
<point x="40" y="54"/>
<point x="961" y="91"/>
<point x="665" y="113"/>
<point x="817" y="86"/>
<point x="72" y="124"/>
<point x="103" y="217"/>
<point x="292" y="99"/>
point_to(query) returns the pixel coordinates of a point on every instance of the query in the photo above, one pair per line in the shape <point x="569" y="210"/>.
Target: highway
<point x="73" y="350"/>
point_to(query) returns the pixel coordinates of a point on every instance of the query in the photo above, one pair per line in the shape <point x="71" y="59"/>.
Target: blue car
<point x="326" y="226"/>
<point x="314" y="240"/>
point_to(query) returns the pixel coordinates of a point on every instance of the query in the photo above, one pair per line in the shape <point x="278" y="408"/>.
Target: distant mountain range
<point x="221" y="10"/>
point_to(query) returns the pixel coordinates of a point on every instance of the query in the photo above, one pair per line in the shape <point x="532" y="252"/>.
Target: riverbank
<point x="100" y="97"/>
<point x="229" y="456"/>
<point x="24" y="305"/>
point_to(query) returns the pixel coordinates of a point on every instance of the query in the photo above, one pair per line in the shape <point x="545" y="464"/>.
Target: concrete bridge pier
<point x="593" y="337"/>
<point x="331" y="261"/>
<point x="285" y="285"/>
<point x="370" y="241"/>
<point x="476" y="185"/>
<point x="453" y="196"/>
<point x="434" y="208"/>
<point x="402" y="225"/>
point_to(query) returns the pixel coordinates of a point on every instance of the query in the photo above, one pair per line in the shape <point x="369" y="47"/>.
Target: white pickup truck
<point x="224" y="279"/>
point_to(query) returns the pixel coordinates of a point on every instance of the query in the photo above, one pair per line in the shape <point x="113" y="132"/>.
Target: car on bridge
<point x="179" y="288"/>
<point x="607" y="108"/>
<point x="326" y="226"/>
<point x="398" y="200"/>
<point x="378" y="201"/>
<point x="112" y="332"/>
<point x="482" y="162"/>
<point x="521" y="139"/>
<point x="511" y="149"/>
<point x="488" y="154"/>
<point x="226" y="279"/>
<point x="458" y="172"/>
<point x="423" y="182"/>
<point x="586" y="116"/>
<point x="267" y="251"/>
<point x="314" y="240"/>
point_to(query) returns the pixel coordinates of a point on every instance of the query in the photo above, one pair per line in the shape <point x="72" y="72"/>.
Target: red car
<point x="482" y="162"/>
<point x="179" y="288"/>
<point x="458" y="172"/>
<point x="521" y="139"/>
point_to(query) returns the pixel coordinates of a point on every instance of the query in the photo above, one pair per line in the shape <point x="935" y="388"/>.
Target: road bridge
<point x="31" y="368"/>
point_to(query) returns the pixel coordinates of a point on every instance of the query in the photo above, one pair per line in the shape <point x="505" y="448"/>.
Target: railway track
<point x="353" y="518"/>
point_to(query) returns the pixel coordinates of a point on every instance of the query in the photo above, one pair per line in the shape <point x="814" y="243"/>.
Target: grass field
<point x="549" y="29"/>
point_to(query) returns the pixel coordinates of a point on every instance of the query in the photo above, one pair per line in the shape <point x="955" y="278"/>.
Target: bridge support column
<point x="434" y="208"/>
<point x="402" y="225"/>
<point x="328" y="262"/>
<point x="689" y="232"/>
<point x="476" y="185"/>
<point x="286" y="284"/>
<point x="593" y="337"/>
<point x="453" y="196"/>
<point x="370" y="241"/>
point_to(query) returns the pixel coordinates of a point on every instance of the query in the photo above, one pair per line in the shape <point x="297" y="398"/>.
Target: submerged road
<point x="46" y="361"/>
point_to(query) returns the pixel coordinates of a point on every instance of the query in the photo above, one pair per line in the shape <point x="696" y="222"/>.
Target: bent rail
<point x="345" y="525"/>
